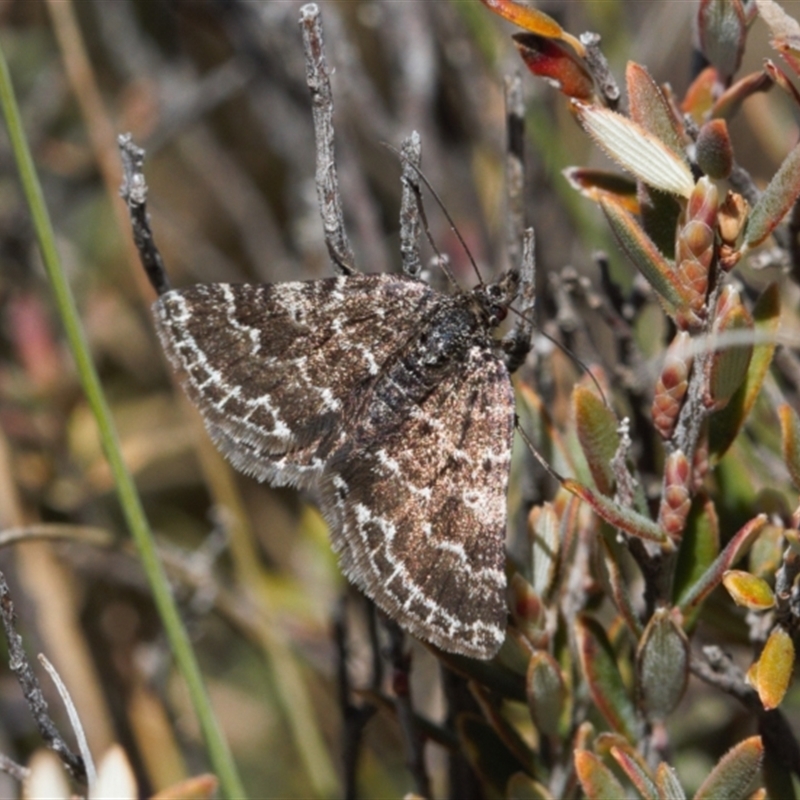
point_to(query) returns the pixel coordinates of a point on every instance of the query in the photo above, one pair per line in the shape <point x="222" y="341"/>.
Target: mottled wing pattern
<point x="271" y="366"/>
<point x="419" y="517"/>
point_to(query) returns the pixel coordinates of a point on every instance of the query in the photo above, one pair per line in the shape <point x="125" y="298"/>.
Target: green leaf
<point x="775" y="200"/>
<point x="790" y="441"/>
<point x="712" y="577"/>
<point x="662" y="664"/>
<point x="731" y="777"/>
<point x="699" y="547"/>
<point x="596" y="426"/>
<point x="625" y="519"/>
<point x="669" y="788"/>
<point x="619" y="584"/>
<point x="604" y="679"/>
<point x="646" y="257"/>
<point x="545" y="532"/>
<point x="597" y="780"/>
<point x="522" y="787"/>
<point x="729" y="364"/>
<point x="723" y="29"/>
<point x="546" y="692"/>
<point x="724" y="425"/>
<point x="486" y="752"/>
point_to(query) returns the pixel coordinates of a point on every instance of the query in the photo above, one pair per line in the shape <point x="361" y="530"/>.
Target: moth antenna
<point x="568" y="353"/>
<point x="440" y="203"/>
<point x="536" y="454"/>
<point x="443" y="260"/>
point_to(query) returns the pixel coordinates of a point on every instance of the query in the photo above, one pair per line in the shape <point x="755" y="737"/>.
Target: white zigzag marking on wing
<point x="280" y="429"/>
<point x="453" y="625"/>
<point x="248" y="330"/>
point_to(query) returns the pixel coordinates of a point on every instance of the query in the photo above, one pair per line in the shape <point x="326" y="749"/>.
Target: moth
<point x="390" y="399"/>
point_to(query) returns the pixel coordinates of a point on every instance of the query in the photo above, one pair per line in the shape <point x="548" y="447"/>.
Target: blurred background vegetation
<point x="214" y="90"/>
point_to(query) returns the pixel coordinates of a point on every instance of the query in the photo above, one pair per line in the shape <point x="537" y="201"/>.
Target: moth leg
<point x="516" y="344"/>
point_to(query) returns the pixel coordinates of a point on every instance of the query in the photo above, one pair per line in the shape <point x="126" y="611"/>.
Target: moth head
<point x="495" y="298"/>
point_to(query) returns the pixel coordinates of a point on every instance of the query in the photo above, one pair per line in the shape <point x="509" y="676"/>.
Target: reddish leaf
<point x="597" y="780"/>
<point x="635" y="767"/>
<point x="556" y="63"/>
<point x="711" y="578"/>
<point x="650" y="109"/>
<point x="625" y="519"/>
<point x="676" y="498"/>
<point x="700" y="95"/>
<point x="595" y="183"/>
<point x="781" y="80"/>
<point x="533" y="20"/>
<point x="730" y="101"/>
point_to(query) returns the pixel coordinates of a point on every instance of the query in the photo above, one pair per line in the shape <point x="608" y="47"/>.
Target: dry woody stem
<point x="319" y="83"/>
<point x="32" y="690"/>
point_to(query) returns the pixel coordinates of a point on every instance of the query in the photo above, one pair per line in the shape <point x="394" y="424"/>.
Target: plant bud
<point x="676" y="500"/>
<point x="672" y="384"/>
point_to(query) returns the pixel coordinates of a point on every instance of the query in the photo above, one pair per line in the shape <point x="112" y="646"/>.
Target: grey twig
<point x="717" y="669"/>
<point x="134" y="193"/>
<point x="31" y="689"/>
<point x="410" y="224"/>
<point x="354" y="717"/>
<point x="319" y="84"/>
<point x="401" y="683"/>
<point x="517" y="342"/>
<point x="16" y="771"/>
<point x="74" y="718"/>
<point x="515" y="167"/>
<point x="598" y="66"/>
